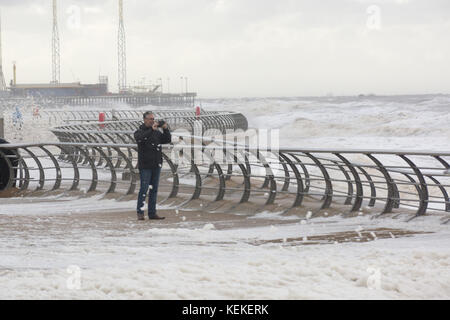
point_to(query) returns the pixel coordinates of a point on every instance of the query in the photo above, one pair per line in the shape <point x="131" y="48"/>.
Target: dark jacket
<point x="149" y="143"/>
<point x="4" y="168"/>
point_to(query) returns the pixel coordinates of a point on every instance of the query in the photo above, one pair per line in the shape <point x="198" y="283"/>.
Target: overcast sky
<point x="239" y="48"/>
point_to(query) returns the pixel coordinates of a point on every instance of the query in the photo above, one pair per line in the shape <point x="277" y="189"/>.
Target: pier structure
<point x="165" y="99"/>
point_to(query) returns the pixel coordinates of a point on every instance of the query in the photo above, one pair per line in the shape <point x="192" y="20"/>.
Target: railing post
<point x="2" y="125"/>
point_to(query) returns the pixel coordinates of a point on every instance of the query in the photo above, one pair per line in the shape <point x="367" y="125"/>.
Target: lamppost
<point x="181" y="91"/>
<point x="161" y="82"/>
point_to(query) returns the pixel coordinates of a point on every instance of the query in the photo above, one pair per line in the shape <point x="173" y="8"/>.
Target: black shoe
<point x="140" y="216"/>
<point x="156" y="217"/>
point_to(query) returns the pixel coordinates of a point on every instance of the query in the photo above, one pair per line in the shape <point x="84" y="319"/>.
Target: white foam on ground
<point x="64" y="205"/>
<point x="223" y="264"/>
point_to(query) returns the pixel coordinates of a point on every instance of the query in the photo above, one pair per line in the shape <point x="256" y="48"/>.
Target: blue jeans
<point x="149" y="182"/>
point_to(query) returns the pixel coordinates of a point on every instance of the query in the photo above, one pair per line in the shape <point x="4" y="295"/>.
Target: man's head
<point x="149" y="119"/>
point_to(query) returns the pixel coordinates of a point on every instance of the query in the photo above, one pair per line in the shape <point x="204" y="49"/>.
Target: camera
<point x="161" y="123"/>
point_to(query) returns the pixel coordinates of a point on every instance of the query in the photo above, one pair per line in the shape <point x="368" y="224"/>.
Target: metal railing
<point x="217" y="172"/>
<point x="177" y="118"/>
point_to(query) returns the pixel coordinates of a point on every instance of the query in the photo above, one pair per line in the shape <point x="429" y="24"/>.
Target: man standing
<point x="149" y="140"/>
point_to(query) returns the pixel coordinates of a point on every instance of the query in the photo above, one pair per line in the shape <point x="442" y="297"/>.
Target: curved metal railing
<point x="177" y="118"/>
<point x="121" y="131"/>
<point x="223" y="176"/>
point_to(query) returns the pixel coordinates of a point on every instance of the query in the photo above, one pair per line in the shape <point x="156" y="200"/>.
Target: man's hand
<point x="165" y="126"/>
<point x="155" y="126"/>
